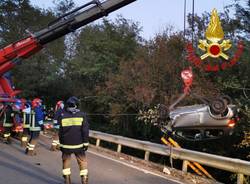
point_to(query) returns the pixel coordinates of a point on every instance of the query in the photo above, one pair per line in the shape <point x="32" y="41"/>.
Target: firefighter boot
<point x="24" y="142"/>
<point x="30" y="149"/>
<point x="84" y="179"/>
<point x="30" y="152"/>
<point x="7" y="140"/>
<point x="67" y="179"/>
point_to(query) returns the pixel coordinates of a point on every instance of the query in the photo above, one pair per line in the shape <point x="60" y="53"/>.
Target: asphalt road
<point x="45" y="168"/>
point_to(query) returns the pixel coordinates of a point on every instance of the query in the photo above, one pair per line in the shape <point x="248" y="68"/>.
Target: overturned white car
<point x="212" y="119"/>
<point x="204" y="121"/>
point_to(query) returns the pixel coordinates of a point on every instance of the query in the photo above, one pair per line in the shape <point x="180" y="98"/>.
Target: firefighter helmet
<point x="72" y="101"/>
<point x="18" y="105"/>
<point x="59" y="105"/>
<point x="36" y="102"/>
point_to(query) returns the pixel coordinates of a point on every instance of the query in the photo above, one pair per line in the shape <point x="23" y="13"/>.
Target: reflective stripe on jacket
<point x="26" y="120"/>
<point x="73" y="131"/>
<point x="34" y="126"/>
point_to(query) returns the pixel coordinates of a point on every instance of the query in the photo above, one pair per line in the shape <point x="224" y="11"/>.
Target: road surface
<point x="45" y="168"/>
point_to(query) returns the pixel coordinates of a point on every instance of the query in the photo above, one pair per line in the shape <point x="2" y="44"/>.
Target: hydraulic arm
<point x="69" y="22"/>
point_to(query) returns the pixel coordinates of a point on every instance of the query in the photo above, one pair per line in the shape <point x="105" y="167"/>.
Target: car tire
<point x="218" y="106"/>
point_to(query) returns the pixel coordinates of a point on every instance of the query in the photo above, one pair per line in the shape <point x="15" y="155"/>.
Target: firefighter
<point x="26" y="123"/>
<point x="58" y="110"/>
<point x="35" y="126"/>
<point x="7" y="123"/>
<point x="73" y="136"/>
<point x="2" y="117"/>
<point x="17" y="119"/>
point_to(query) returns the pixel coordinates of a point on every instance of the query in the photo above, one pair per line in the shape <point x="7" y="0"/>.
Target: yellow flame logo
<point x="214" y="34"/>
<point x="214" y="31"/>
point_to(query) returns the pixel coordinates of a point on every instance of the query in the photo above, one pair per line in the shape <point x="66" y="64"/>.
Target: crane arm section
<point x="69" y="22"/>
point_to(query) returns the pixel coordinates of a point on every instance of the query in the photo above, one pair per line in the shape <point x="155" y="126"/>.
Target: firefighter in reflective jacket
<point x="36" y="125"/>
<point x="17" y="119"/>
<point x="73" y="137"/>
<point x="55" y="139"/>
<point x="26" y="123"/>
<point x="7" y="124"/>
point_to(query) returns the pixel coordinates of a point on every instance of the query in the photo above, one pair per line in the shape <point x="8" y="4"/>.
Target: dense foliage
<point x="116" y="73"/>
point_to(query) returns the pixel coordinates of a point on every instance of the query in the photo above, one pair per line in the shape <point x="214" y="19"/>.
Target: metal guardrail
<point x="238" y="166"/>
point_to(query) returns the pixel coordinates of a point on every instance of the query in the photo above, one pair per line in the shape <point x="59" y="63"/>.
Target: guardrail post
<point x="119" y="148"/>
<point x="97" y="144"/>
<point x="146" y="157"/>
<point x="184" y="165"/>
<point x="240" y="167"/>
<point x="240" y="178"/>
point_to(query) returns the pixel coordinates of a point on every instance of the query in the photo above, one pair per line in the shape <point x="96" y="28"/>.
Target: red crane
<point x="69" y="22"/>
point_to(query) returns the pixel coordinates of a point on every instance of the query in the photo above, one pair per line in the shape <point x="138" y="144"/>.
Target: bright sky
<point x="155" y="15"/>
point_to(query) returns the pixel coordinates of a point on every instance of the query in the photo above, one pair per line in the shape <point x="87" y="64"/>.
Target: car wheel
<point x="218" y="106"/>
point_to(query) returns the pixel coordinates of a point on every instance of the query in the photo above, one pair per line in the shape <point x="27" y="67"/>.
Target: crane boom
<point x="69" y="22"/>
<point x="75" y="19"/>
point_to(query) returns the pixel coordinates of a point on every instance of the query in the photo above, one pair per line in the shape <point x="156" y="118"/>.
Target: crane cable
<point x="184" y="23"/>
<point x="184" y="20"/>
<point x="193" y="22"/>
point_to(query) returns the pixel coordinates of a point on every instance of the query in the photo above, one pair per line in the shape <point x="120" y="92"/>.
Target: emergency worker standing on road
<point x="17" y="119"/>
<point x="36" y="125"/>
<point x="55" y="139"/>
<point x="7" y="123"/>
<point x="26" y="123"/>
<point x="73" y="136"/>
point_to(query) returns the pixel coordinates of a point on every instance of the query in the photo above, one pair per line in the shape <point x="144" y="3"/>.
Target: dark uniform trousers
<point x="26" y="129"/>
<point x="25" y="135"/>
<point x="55" y="138"/>
<point x="7" y="134"/>
<point x="8" y="124"/>
<point x="34" y="136"/>
<point x="55" y="145"/>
